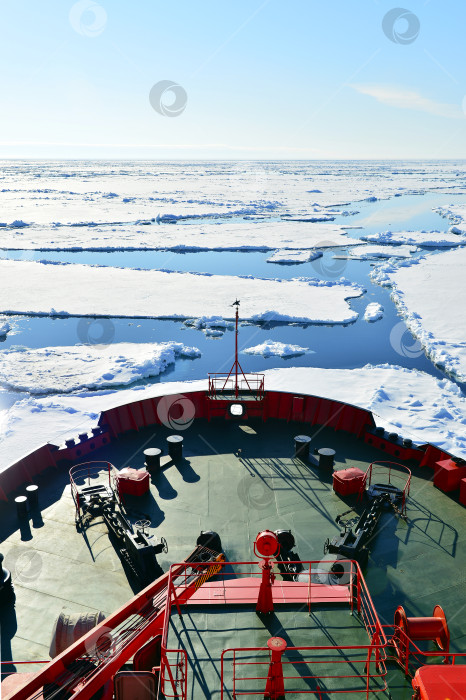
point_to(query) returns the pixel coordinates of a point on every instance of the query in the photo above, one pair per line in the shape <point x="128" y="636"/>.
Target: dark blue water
<point x="342" y="346"/>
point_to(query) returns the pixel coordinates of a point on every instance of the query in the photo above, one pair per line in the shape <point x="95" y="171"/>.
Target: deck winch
<point x="353" y="540"/>
<point x="137" y="549"/>
<point x="288" y="562"/>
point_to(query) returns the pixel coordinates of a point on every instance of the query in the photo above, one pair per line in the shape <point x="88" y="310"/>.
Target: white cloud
<point x="404" y="98"/>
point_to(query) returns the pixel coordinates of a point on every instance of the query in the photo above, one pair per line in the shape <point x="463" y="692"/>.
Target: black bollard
<point x="326" y="458"/>
<point x="152" y="459"/>
<point x="21" y="507"/>
<point x="32" y="493"/>
<point x="175" y="447"/>
<point x="301" y="446"/>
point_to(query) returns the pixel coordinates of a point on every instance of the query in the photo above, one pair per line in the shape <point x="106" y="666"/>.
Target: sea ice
<point x="431" y="239"/>
<point x="224" y="235"/>
<point x="5" y="327"/>
<point x="373" y="312"/>
<point x="431" y="297"/>
<point x="290" y="257"/>
<point x="273" y="348"/>
<point x="83" y="290"/>
<point x="369" y="252"/>
<point x="64" y="369"/>
<point x="405" y="401"/>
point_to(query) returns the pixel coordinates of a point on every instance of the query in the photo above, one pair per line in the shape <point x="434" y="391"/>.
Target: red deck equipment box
<point x="348" y="481"/>
<point x="448" y="475"/>
<point x="134" y="482"/>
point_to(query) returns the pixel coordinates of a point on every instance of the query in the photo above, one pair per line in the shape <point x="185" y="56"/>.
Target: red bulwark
<point x="448" y="475"/>
<point x="440" y="682"/>
<point x="348" y="481"/>
<point x="463" y="491"/>
<point x="134" y="482"/>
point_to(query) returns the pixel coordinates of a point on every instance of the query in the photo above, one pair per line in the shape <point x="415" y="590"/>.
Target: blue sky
<point x="262" y="79"/>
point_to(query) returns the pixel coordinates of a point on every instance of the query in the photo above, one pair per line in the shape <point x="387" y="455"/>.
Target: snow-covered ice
<point x="224" y="235"/>
<point x="431" y="297"/>
<point x="431" y="239"/>
<point x="83" y="290"/>
<point x="290" y="257"/>
<point x="63" y="369"/>
<point x="5" y="327"/>
<point x="273" y="348"/>
<point x="373" y="312"/>
<point x="369" y="252"/>
<point x="409" y="402"/>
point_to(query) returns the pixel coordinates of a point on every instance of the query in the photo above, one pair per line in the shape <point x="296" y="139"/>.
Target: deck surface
<point x="236" y="479"/>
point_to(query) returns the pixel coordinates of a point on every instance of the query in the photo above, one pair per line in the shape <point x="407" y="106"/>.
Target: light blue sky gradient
<point x="264" y="80"/>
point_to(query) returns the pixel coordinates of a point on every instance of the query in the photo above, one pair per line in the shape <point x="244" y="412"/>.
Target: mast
<point x="236" y="303"/>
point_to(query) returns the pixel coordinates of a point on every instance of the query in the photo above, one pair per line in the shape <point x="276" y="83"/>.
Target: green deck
<point x="417" y="564"/>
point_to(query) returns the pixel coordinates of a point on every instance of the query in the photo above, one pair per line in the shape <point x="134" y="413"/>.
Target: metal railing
<point x="101" y="473"/>
<point x="392" y="473"/>
<point x="407" y="653"/>
<point x="221" y="384"/>
<point x="348" y="580"/>
<point x="253" y="670"/>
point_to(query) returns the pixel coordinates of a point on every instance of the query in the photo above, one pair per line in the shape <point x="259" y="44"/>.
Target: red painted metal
<point x="265" y="597"/>
<point x="266" y="545"/>
<point x="410" y="629"/>
<point x="448" y="475"/>
<point x="128" y="628"/>
<point x="275" y="689"/>
<point x="349" y="481"/>
<point x="134" y="482"/>
<point x="240" y="590"/>
<point x="432" y="683"/>
<point x="463" y="492"/>
<point x="370" y="658"/>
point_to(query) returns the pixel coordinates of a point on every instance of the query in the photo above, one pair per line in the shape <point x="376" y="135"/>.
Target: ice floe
<point x="84" y="290"/>
<point x="245" y="235"/>
<point x="431" y="297"/>
<point x="273" y="348"/>
<point x="431" y="239"/>
<point x="293" y="257"/>
<point x="407" y="401"/>
<point x="5" y="327"/>
<point x="373" y="252"/>
<point x="373" y="312"/>
<point x="64" y="369"/>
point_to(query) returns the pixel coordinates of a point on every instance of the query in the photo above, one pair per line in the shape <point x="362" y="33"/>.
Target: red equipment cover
<point x="441" y="682"/>
<point x="348" y="481"/>
<point x="133" y="481"/>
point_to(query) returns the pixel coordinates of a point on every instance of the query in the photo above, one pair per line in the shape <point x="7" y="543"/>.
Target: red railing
<point x="185" y="578"/>
<point x="221" y="384"/>
<point x="392" y="473"/>
<point x="371" y="679"/>
<point x="407" y="652"/>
